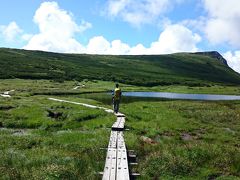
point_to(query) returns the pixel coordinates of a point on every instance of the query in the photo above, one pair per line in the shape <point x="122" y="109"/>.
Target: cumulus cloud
<point x="141" y="11"/>
<point x="223" y="24"/>
<point x="175" y="38"/>
<point x="118" y="47"/>
<point x="11" y="31"/>
<point x="138" y="49"/>
<point x="26" y="37"/>
<point x="99" y="45"/>
<point x="233" y="59"/>
<point x="57" y="29"/>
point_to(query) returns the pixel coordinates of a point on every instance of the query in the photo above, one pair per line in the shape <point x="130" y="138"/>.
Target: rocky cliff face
<point x="214" y="54"/>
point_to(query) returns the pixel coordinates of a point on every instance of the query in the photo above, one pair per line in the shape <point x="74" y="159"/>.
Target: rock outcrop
<point x="214" y="54"/>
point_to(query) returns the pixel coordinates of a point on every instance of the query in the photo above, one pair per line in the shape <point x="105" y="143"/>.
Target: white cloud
<point x="26" y="37"/>
<point x="223" y="24"/>
<point x="233" y="59"/>
<point x="11" y="31"/>
<point x="198" y="24"/>
<point x="98" y="45"/>
<point x="141" y="11"/>
<point x="118" y="47"/>
<point x="138" y="49"/>
<point x="115" y="7"/>
<point x="175" y="38"/>
<point x="57" y="29"/>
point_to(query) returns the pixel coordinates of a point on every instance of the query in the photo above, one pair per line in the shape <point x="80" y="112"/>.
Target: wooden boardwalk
<point x="119" y="124"/>
<point x="116" y="165"/>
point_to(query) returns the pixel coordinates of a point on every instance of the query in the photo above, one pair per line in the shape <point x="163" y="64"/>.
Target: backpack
<point x="117" y="93"/>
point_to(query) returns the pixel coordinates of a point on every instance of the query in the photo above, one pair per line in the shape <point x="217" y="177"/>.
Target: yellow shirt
<point x="117" y="93"/>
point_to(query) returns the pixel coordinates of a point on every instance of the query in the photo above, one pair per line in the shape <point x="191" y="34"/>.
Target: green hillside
<point x="145" y="70"/>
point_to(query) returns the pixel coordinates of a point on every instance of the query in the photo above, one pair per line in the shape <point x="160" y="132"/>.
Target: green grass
<point x="174" y="139"/>
<point x="196" y="140"/>
<point x="47" y="87"/>
<point x="36" y="146"/>
<point x="52" y="155"/>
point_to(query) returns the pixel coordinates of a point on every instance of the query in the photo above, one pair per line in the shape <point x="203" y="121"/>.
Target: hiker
<point x="116" y="98"/>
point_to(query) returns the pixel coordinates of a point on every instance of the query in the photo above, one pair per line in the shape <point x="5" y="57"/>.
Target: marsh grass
<point x="189" y="139"/>
<point x="36" y="146"/>
<point x="192" y="140"/>
<point x="47" y="87"/>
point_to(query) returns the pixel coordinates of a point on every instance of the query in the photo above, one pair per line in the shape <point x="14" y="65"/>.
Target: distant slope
<point x="213" y="54"/>
<point x="147" y="70"/>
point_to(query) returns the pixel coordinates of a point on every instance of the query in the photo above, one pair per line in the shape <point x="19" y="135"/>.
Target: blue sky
<point x="123" y="26"/>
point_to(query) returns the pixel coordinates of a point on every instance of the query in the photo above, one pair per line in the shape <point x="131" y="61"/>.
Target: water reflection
<point x="181" y="96"/>
<point x="129" y="97"/>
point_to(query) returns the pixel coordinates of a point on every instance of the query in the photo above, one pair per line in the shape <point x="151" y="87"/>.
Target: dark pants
<point x="116" y="105"/>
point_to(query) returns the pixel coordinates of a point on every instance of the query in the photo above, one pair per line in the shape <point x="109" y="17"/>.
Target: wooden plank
<point x="115" y="125"/>
<point x="116" y="165"/>
<point x="111" y="158"/>
<point x="122" y="122"/>
<point x="122" y="165"/>
<point x="120" y="141"/>
<point x="119" y="124"/>
<point x="110" y="165"/>
<point x="113" y="140"/>
<point x="122" y="160"/>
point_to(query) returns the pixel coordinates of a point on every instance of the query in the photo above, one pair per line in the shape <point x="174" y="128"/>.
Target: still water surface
<point x="181" y="96"/>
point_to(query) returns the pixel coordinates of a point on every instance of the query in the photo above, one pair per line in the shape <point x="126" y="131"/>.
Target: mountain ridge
<point x="200" y="68"/>
<point x="214" y="54"/>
